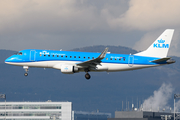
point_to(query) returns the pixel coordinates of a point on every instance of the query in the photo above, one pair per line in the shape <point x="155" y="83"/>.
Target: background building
<point x="142" y="115"/>
<point x="80" y="115"/>
<point x="36" y="110"/>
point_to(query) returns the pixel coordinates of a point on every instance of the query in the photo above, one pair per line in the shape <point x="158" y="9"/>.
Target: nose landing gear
<point x="25" y="74"/>
<point x="26" y="69"/>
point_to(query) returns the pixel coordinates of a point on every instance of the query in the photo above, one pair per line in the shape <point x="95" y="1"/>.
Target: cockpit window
<point x="19" y="53"/>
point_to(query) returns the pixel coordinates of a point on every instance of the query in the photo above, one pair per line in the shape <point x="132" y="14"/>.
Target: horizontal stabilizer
<point x="161" y="60"/>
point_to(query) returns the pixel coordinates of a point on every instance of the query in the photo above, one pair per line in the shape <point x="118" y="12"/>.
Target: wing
<point x="92" y="63"/>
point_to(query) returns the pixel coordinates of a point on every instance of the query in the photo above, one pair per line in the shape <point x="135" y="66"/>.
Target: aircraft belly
<point x="30" y="64"/>
<point x="117" y="67"/>
<point x="51" y="64"/>
<point x="126" y="67"/>
<point x="39" y="64"/>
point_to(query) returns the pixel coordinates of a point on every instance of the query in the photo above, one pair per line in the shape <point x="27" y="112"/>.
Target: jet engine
<point x="69" y="69"/>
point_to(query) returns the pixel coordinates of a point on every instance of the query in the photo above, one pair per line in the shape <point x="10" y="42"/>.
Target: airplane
<point x="70" y="62"/>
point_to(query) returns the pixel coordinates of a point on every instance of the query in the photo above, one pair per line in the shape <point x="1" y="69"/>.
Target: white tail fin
<point x="160" y="47"/>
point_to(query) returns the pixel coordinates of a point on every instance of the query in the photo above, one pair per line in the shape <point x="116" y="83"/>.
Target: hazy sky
<point x="68" y="24"/>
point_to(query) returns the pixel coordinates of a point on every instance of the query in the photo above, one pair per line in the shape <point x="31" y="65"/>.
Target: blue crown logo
<point x="66" y="68"/>
<point x="161" y="41"/>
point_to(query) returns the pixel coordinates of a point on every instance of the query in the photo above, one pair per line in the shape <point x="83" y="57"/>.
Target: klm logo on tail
<point x="161" y="44"/>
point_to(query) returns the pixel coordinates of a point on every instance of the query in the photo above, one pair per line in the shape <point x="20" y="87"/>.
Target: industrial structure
<point x="36" y="110"/>
<point x="142" y="115"/>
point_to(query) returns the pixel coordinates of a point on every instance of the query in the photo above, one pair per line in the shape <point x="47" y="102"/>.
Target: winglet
<point x="103" y="54"/>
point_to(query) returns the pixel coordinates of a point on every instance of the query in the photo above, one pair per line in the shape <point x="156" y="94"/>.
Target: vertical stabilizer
<point x="160" y="47"/>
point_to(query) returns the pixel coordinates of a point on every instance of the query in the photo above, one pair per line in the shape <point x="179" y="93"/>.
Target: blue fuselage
<point x="50" y="58"/>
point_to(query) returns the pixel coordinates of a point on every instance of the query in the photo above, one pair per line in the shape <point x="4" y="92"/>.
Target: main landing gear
<point x="87" y="75"/>
<point x="26" y="69"/>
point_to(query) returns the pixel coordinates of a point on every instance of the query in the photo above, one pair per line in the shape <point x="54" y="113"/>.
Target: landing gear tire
<point x="25" y="74"/>
<point x="87" y="76"/>
<point x="26" y="70"/>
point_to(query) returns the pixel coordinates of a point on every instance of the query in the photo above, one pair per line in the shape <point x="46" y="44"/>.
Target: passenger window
<point x="40" y="55"/>
<point x="53" y="55"/>
<point x="61" y="55"/>
<point x="106" y="58"/>
<point x="66" y="56"/>
<point x="115" y="58"/>
<point x="124" y="58"/>
<point x="70" y="56"/>
<point x="48" y="55"/>
<point x="79" y="57"/>
<point x="111" y="58"/>
<point x="119" y="58"/>
<point x="57" y="55"/>
<point x="88" y="57"/>
<point x="74" y="56"/>
<point x="44" y="55"/>
<point x="84" y="57"/>
<point x="92" y="57"/>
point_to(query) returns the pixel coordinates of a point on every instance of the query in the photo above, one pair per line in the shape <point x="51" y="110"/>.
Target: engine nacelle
<point x="101" y="68"/>
<point x="69" y="69"/>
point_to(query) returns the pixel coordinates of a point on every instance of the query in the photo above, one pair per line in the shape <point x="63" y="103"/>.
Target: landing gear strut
<point x="26" y="69"/>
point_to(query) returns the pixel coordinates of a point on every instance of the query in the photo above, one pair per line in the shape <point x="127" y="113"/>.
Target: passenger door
<point x="131" y="60"/>
<point x="32" y="55"/>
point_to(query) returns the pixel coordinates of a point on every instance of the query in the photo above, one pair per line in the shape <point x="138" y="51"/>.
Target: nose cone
<point x="9" y="60"/>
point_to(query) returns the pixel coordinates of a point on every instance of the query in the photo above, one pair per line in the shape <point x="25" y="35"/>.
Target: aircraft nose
<point x="8" y="60"/>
